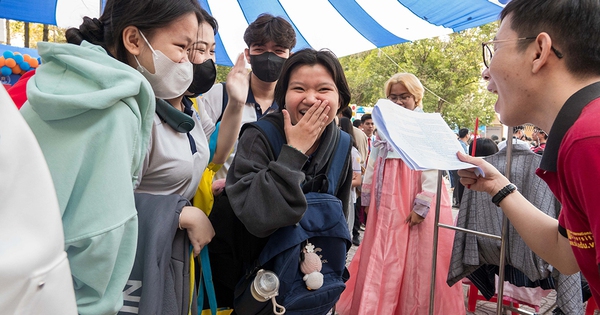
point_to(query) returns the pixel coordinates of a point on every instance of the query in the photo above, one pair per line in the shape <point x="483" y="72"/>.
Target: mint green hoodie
<point x="92" y="116"/>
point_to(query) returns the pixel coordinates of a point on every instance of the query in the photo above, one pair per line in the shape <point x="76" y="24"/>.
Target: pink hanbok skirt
<point x="391" y="270"/>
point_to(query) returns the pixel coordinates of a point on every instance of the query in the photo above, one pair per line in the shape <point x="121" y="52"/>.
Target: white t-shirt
<point x="502" y="144"/>
<point x="169" y="166"/>
<point x="212" y="101"/>
<point x="355" y="169"/>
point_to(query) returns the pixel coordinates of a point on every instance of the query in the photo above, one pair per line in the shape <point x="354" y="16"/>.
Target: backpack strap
<point x="338" y="163"/>
<point x="206" y="283"/>
<point x="274" y="134"/>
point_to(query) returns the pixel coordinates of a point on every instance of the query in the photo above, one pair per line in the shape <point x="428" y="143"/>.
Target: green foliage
<point x="222" y="72"/>
<point x="55" y="33"/>
<point x="448" y="66"/>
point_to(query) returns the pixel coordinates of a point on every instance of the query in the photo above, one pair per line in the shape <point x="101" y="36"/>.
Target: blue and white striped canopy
<point x="343" y="26"/>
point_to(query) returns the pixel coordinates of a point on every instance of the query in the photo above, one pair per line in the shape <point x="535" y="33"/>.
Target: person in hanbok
<point x="391" y="270"/>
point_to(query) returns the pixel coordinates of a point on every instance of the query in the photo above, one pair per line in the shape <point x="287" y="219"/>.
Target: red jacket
<point x="18" y="92"/>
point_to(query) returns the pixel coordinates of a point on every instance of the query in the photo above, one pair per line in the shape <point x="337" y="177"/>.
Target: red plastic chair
<point x="591" y="307"/>
<point x="473" y="296"/>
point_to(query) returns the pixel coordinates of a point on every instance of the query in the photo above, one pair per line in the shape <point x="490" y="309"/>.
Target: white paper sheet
<point x="423" y="140"/>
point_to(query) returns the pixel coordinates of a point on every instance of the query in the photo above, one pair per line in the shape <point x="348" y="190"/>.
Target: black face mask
<point x="267" y="66"/>
<point x="205" y="75"/>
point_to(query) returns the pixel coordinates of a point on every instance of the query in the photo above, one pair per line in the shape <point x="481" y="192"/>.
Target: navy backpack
<point x="323" y="225"/>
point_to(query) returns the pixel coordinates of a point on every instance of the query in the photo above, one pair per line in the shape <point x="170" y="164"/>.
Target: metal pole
<point x="435" y="241"/>
<point x="512" y="309"/>
<point x="456" y="228"/>
<point x="500" y="289"/>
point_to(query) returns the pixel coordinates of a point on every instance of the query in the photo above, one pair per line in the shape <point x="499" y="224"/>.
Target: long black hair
<point x="346" y="125"/>
<point x="484" y="147"/>
<point x="210" y="20"/>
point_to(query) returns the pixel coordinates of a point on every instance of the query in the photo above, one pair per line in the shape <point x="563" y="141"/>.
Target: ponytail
<point x="91" y="30"/>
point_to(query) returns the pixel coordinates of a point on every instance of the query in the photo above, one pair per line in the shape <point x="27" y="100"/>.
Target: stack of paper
<point x="423" y="140"/>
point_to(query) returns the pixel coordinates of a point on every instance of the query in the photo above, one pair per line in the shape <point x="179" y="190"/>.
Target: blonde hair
<point x="410" y="82"/>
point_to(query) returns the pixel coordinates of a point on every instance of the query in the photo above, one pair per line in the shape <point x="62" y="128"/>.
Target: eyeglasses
<point x="488" y="52"/>
<point x="401" y="97"/>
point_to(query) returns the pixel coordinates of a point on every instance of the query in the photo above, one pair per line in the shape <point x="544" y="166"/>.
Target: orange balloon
<point x="33" y="63"/>
<point x="16" y="69"/>
<point x="10" y="63"/>
<point x="2" y="61"/>
<point x="16" y="53"/>
<point x="26" y="57"/>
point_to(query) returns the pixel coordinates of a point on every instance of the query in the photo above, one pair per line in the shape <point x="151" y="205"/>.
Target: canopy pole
<point x="500" y="288"/>
<point x="438" y="196"/>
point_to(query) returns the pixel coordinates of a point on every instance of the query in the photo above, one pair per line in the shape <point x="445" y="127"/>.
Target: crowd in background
<point x="146" y="164"/>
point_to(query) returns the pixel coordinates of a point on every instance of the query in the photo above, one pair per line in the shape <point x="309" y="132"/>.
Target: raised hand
<point x="238" y="82"/>
<point x="237" y="90"/>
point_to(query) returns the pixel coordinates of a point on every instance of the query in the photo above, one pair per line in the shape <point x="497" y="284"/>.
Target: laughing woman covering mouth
<point x="266" y="192"/>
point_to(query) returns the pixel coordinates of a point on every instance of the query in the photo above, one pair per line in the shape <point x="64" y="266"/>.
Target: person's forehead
<point x="270" y="43"/>
<point x="206" y="34"/>
<point x="398" y="86"/>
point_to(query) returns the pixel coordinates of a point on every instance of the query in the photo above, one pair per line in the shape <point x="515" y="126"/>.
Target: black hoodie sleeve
<point x="265" y="193"/>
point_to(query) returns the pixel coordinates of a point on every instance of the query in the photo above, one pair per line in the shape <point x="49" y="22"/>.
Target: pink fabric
<point x="531" y="297"/>
<point x="391" y="270"/>
<point x="384" y="148"/>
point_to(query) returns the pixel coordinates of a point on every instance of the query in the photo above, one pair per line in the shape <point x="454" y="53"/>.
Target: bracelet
<point x="500" y="195"/>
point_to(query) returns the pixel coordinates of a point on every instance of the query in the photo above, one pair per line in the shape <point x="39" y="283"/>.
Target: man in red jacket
<point x="546" y="70"/>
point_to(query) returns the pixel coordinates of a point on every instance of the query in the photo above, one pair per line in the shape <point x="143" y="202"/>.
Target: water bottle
<point x="265" y="287"/>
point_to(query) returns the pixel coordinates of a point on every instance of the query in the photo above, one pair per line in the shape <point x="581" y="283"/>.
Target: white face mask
<point x="170" y="79"/>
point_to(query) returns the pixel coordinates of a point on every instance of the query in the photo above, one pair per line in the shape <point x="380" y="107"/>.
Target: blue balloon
<point x="18" y="58"/>
<point x="8" y="54"/>
<point x="6" y="71"/>
<point x="24" y="66"/>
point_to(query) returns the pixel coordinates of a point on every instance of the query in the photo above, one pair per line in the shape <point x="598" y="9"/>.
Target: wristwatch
<point x="500" y="195"/>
